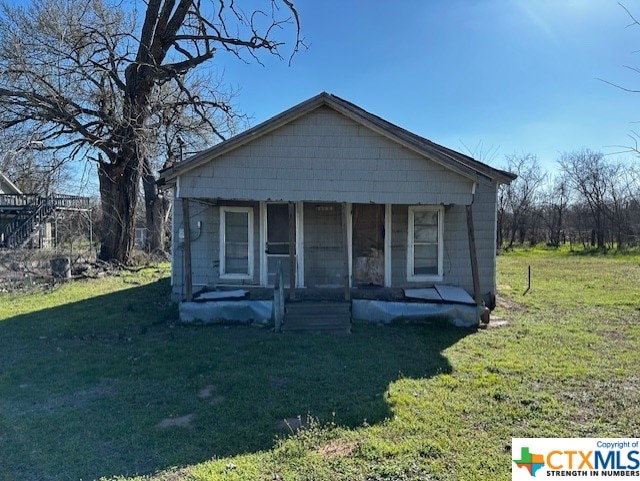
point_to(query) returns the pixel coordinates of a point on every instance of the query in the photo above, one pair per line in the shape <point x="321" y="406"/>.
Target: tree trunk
<point x="600" y="232"/>
<point x="156" y="211"/>
<point x="119" y="185"/>
<point x="499" y="230"/>
<point x="559" y="229"/>
<point x="514" y="230"/>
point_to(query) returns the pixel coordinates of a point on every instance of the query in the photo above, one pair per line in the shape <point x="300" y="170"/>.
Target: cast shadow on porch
<point x="122" y="390"/>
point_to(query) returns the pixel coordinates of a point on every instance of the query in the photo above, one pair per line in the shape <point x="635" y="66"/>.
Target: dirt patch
<point x="210" y="392"/>
<point x="207" y="391"/>
<point x="179" y="422"/>
<point x="587" y="401"/>
<point x="509" y="305"/>
<point x="500" y="317"/>
<point x="613" y="335"/>
<point x="338" y="448"/>
<point x="496" y="322"/>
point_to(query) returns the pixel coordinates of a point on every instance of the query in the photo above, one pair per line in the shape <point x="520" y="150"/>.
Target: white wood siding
<point x="205" y="247"/>
<point x="457" y="243"/>
<point x="457" y="263"/>
<point x="324" y="156"/>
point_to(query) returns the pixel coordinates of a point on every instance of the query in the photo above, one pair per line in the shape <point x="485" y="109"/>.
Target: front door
<point x="277" y="240"/>
<point x="368" y="244"/>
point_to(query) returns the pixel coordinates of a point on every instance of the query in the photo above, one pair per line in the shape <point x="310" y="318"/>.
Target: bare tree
<point x="84" y="79"/>
<point x="589" y="175"/>
<point x="621" y="187"/>
<point x="181" y="130"/>
<point x="501" y="216"/>
<point x="517" y="200"/>
<point x="30" y="169"/>
<point x="555" y="202"/>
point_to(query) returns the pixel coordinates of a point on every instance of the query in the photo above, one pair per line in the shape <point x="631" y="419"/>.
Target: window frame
<point x="250" y="247"/>
<point x="411" y="276"/>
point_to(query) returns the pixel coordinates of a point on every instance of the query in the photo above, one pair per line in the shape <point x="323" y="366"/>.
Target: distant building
<point x="25" y="219"/>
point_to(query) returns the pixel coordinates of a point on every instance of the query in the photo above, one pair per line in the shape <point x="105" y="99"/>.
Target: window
<point x="278" y="229"/>
<point x="424" y="246"/>
<point x="236" y="242"/>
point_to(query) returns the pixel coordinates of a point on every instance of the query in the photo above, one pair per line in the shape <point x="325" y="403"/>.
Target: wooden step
<point x="317" y="316"/>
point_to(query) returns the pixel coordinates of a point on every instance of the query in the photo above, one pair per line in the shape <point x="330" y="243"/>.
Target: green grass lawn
<point x="97" y="380"/>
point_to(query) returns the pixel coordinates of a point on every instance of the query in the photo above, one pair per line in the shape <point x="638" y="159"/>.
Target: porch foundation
<point x="386" y="312"/>
<point x="439" y="306"/>
<point x="241" y="312"/>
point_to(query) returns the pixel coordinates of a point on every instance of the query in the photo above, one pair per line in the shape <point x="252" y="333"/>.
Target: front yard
<point x="97" y="380"/>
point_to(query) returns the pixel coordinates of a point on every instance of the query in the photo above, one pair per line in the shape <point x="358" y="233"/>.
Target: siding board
<point x="335" y="155"/>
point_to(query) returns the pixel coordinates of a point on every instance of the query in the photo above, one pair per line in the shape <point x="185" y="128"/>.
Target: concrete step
<point x="317" y="316"/>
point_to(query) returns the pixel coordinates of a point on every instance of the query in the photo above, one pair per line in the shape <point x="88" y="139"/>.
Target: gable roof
<point x="450" y="159"/>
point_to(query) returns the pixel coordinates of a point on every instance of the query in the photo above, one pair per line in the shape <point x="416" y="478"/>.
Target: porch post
<point x="345" y="251"/>
<point x="472" y="254"/>
<point x="188" y="283"/>
<point x="292" y="251"/>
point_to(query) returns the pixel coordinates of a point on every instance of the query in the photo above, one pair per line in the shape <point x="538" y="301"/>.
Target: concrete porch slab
<point x="227" y="312"/>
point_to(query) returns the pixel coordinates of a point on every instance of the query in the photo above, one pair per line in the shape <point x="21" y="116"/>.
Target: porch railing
<point x="18" y="200"/>
<point x="58" y="201"/>
<point x="70" y="202"/>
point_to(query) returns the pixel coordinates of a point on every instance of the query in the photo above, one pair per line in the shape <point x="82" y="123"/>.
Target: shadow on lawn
<point x="110" y="386"/>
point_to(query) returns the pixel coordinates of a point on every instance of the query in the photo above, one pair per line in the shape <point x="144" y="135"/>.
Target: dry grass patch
<point x="338" y="448"/>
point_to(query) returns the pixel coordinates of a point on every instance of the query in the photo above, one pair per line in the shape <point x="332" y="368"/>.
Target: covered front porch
<point x="332" y="248"/>
<point x="376" y="262"/>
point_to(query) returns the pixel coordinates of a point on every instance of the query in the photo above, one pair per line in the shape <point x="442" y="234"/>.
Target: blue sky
<point x="490" y="77"/>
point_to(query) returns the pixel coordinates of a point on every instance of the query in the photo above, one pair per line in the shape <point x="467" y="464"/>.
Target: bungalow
<point x="339" y="198"/>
